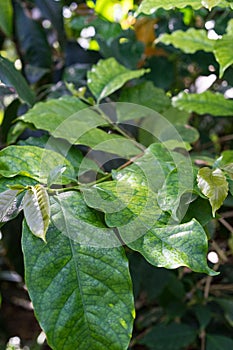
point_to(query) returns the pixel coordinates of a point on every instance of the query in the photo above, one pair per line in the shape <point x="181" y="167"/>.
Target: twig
<point x="227" y="214"/>
<point x="219" y="251"/>
<point x="226" y="224"/>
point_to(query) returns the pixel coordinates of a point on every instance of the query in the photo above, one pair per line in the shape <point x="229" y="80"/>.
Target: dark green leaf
<point x="200" y="210"/>
<point x="172" y="246"/>
<point x="108" y="76"/>
<point x="12" y="77"/>
<point x="74" y="219"/>
<point x="32" y="43"/>
<point x="218" y="342"/>
<point x="145" y="94"/>
<point x="170" y="337"/>
<point x="36" y="209"/>
<point x="6" y="183"/>
<point x="52" y="10"/>
<point x="203" y="314"/>
<point x="227" y="306"/>
<point x="81" y="295"/>
<point x="9" y="115"/>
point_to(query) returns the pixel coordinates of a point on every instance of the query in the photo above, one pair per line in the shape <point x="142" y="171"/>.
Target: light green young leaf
<point x="36" y="208"/>
<point x="82" y="296"/>
<point x="7" y="199"/>
<point x="33" y="162"/>
<point x="190" y="41"/>
<point x="213" y="184"/>
<point x="108" y="76"/>
<point x="12" y="77"/>
<point x="204" y="103"/>
<point x="6" y="17"/>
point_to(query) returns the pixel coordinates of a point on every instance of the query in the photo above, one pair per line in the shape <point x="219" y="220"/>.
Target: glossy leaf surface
<point x="108" y="76"/>
<point x="33" y="162"/>
<point x="12" y="77"/>
<point x="81" y="295"/>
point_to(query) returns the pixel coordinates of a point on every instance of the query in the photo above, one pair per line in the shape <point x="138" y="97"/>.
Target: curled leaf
<point x="37" y="210"/>
<point x="213" y="184"/>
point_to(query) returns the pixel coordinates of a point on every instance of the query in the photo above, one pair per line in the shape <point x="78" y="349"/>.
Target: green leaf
<point x="82" y="296"/>
<point x="33" y="162"/>
<point x="55" y="174"/>
<point x="63" y="147"/>
<point x="173" y="336"/>
<point x="130" y="204"/>
<point x="32" y="44"/>
<point x="36" y="208"/>
<point x="227" y="306"/>
<point x="223" y="50"/>
<point x="53" y="12"/>
<point x="150" y="6"/>
<point x="74" y="219"/>
<point x="70" y="119"/>
<point x="203" y="315"/>
<point x="6" y="183"/>
<point x="204" y="216"/>
<point x="172" y="246"/>
<point x="145" y="94"/>
<point x="176" y="184"/>
<point x="218" y="342"/>
<point x="6" y="17"/>
<point x="108" y="76"/>
<point x="7" y="201"/>
<point x="190" y="41"/>
<point x="12" y="77"/>
<point x="204" y="103"/>
<point x="225" y="162"/>
<point x="213" y="185"/>
<point x="100" y="140"/>
<point x="53" y="113"/>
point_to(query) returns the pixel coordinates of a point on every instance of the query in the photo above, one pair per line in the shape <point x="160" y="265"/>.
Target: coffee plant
<point x="108" y="167"/>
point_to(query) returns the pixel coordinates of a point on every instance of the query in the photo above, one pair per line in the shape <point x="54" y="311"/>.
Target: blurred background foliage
<point x="54" y="44"/>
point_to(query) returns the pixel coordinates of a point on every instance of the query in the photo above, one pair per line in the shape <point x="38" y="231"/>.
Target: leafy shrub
<point x="109" y="175"/>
